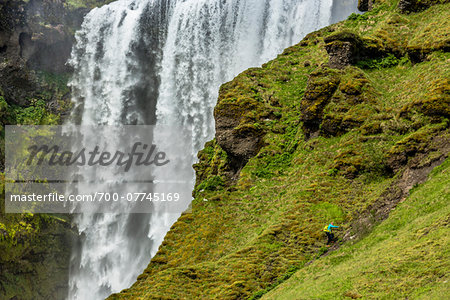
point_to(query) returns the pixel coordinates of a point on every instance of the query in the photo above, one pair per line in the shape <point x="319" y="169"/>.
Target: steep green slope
<point x="316" y="135"/>
<point x="407" y="256"/>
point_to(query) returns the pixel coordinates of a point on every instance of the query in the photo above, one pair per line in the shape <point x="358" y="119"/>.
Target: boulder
<point x="365" y="5"/>
<point x="344" y="49"/>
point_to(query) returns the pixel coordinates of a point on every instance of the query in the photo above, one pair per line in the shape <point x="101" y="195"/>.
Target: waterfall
<point x="162" y="62"/>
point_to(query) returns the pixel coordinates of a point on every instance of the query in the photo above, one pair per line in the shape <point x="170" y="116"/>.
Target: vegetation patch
<point x="318" y="148"/>
<point x="405" y="256"/>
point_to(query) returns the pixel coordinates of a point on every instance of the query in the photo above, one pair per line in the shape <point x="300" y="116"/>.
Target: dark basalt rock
<point x="39" y="32"/>
<point x="240" y="144"/>
<point x="35" y="35"/>
<point x="365" y="5"/>
<point x="343" y="48"/>
<point x="347" y="48"/>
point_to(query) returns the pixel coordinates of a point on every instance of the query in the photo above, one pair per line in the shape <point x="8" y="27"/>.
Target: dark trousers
<point x="330" y="237"/>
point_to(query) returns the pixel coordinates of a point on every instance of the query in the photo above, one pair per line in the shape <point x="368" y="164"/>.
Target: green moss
<point x="35" y="114"/>
<point x="212" y="184"/>
<point x="89" y="4"/>
<point x="35" y="249"/>
<point x="344" y="36"/>
<point x="437" y="101"/>
<point x="416" y="142"/>
<point x="378" y="63"/>
<point x="321" y="86"/>
<point x="212" y="169"/>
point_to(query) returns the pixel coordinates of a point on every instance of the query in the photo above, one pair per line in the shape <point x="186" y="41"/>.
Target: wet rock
<point x="39" y="32"/>
<point x="18" y="84"/>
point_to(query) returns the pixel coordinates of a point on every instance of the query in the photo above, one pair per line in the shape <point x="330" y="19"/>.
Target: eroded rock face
<point x="38" y="32"/>
<point x="344" y="49"/>
<point x="347" y="48"/>
<point x="240" y="120"/>
<point x="240" y="143"/>
<point x="342" y="54"/>
<point x="17" y="84"/>
<point x="35" y="35"/>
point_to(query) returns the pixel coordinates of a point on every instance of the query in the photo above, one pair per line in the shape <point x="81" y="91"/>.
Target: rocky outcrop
<point x="435" y="104"/>
<point x="240" y="143"/>
<point x="17" y="83"/>
<point x="38" y="32"/>
<point x="410" y="6"/>
<point x="365" y="5"/>
<point x="335" y="101"/>
<point x="239" y="128"/>
<point x="347" y="48"/>
<point x="344" y="49"/>
<point x="321" y="86"/>
<point x="428" y="144"/>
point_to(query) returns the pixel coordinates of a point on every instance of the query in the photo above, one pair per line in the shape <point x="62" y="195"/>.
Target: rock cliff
<point x="36" y="38"/>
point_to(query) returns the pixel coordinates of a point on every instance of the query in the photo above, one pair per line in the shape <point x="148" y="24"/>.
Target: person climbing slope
<point x="329" y="231"/>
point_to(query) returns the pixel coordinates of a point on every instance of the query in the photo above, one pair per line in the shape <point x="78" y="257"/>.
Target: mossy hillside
<point x="387" y="29"/>
<point x="35" y="249"/>
<point x="250" y="231"/>
<point x="245" y="234"/>
<point x="407" y="256"/>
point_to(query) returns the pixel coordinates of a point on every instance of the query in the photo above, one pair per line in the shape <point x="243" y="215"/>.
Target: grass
<point x="407" y="256"/>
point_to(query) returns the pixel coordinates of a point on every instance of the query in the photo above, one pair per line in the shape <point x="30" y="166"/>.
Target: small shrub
<point x="357" y="17"/>
<point x="381" y="63"/>
<point x="212" y="184"/>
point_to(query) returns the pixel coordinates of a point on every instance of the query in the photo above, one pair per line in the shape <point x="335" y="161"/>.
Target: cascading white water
<point x="162" y="61"/>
